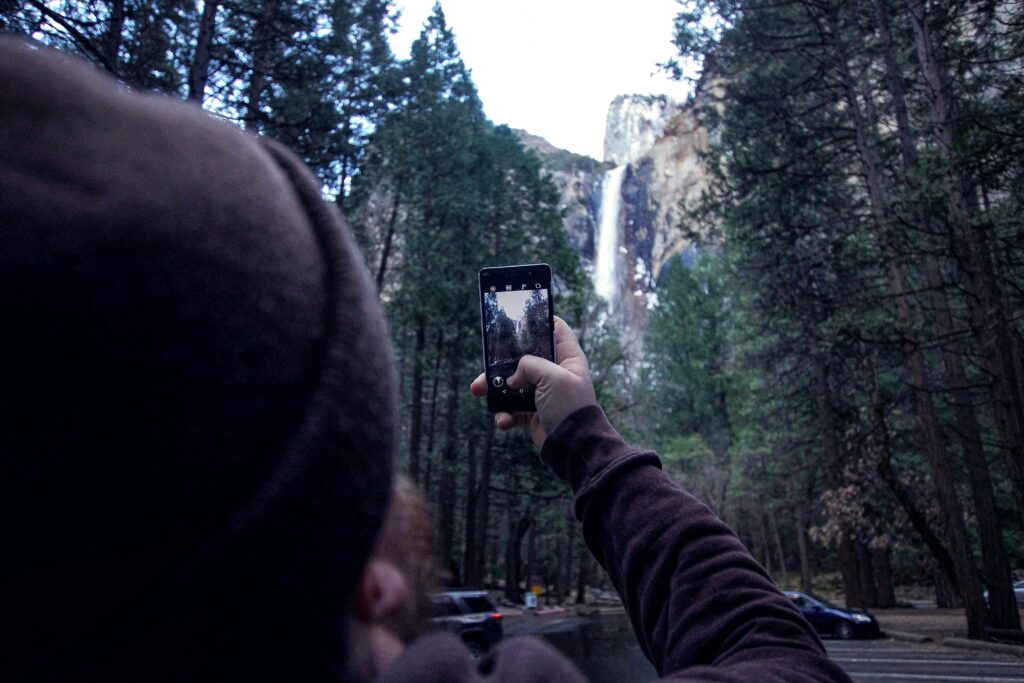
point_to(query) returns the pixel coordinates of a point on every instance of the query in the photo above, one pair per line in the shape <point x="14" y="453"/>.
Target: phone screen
<point x="517" y="320"/>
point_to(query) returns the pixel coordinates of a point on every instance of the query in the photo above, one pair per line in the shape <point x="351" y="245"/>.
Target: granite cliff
<point x="578" y="179"/>
<point x="625" y="214"/>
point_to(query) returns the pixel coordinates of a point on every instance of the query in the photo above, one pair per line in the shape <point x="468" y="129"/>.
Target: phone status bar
<point x="507" y="287"/>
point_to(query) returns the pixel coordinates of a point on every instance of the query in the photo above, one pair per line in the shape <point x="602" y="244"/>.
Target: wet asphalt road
<point x="603" y="647"/>
<point x="606" y="650"/>
<point x="894" y="661"/>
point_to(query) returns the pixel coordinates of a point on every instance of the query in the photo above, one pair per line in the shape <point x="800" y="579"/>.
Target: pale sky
<point x="514" y="302"/>
<point x="552" y="67"/>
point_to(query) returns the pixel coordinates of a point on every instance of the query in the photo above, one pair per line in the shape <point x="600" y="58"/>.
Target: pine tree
<point x="848" y="199"/>
<point x="444" y="193"/>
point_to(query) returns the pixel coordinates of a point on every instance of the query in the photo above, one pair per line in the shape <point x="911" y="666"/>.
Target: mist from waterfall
<point x="608" y="234"/>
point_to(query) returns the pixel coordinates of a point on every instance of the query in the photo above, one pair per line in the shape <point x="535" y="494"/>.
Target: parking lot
<point x="894" y="661"/>
<point x="604" y="647"/>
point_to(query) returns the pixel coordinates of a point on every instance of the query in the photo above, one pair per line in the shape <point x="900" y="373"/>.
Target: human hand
<point x="560" y="389"/>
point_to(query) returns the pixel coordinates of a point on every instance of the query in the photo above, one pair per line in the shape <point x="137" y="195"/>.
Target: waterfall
<point x="608" y="234"/>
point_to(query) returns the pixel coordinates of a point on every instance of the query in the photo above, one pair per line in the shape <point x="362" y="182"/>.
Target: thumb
<point x="531" y="370"/>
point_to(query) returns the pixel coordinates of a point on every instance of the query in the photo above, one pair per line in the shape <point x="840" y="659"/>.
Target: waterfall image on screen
<point x="516" y="325"/>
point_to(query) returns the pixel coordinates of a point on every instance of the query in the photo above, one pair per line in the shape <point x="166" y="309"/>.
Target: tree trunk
<point x="472" y="497"/>
<point x="475" y="570"/>
<point x="493" y="551"/>
<point x="389" y="237"/>
<point x="344" y="168"/>
<point x="1003" y="613"/>
<point x="260" y="67"/>
<point x="1002" y="605"/>
<point x="988" y="319"/>
<point x="199" y="69"/>
<point x="943" y="560"/>
<point x="431" y="430"/>
<point x="427" y="478"/>
<point x="928" y="425"/>
<point x="866" y="572"/>
<point x="947" y="595"/>
<point x="764" y="546"/>
<point x="113" y="36"/>
<point x="1018" y="357"/>
<point x="513" y="557"/>
<point x="583" y="575"/>
<point x="1008" y="426"/>
<point x="833" y="458"/>
<point x="446" y="494"/>
<point x="774" y="527"/>
<point x="531" y="556"/>
<point x="564" y="559"/>
<point x="941" y="557"/>
<point x="881" y="559"/>
<point x="806" y="577"/>
<point x="849" y="568"/>
<point x="257" y="83"/>
<point x="416" y="401"/>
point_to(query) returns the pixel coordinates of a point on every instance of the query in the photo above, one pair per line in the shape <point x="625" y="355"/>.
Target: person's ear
<point x="383" y="592"/>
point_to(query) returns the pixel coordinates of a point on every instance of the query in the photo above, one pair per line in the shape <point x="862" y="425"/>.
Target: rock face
<point x="634" y="124"/>
<point x="660" y="185"/>
<point x="658" y="142"/>
<point x="578" y="178"/>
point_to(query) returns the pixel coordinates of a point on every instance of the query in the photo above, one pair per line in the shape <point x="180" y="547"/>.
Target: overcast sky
<point x="514" y="302"/>
<point x="553" y="66"/>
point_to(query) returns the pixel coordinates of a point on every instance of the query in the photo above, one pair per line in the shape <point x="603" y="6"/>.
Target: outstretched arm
<point x="702" y="608"/>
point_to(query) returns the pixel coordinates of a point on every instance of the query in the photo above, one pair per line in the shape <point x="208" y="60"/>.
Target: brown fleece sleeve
<point x="701" y="606"/>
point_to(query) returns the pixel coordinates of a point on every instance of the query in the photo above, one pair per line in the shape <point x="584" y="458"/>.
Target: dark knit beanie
<point x="198" y="430"/>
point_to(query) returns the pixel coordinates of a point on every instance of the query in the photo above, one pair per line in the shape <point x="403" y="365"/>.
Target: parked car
<point x="472" y="616"/>
<point x="829" y="620"/>
<point x="1018" y="592"/>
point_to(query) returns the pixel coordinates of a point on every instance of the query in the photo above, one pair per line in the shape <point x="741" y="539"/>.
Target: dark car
<point x="829" y="620"/>
<point x="471" y="615"/>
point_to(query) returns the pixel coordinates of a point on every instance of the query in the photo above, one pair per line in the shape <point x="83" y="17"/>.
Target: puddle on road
<point x="605" y="649"/>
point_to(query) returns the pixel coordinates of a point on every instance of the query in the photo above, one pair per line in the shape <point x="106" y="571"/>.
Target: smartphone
<point x="516" y="319"/>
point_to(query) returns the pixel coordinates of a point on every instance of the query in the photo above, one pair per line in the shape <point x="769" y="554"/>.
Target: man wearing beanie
<point x="197" y="449"/>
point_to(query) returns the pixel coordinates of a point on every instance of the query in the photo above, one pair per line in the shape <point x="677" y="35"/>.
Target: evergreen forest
<point x="837" y="368"/>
